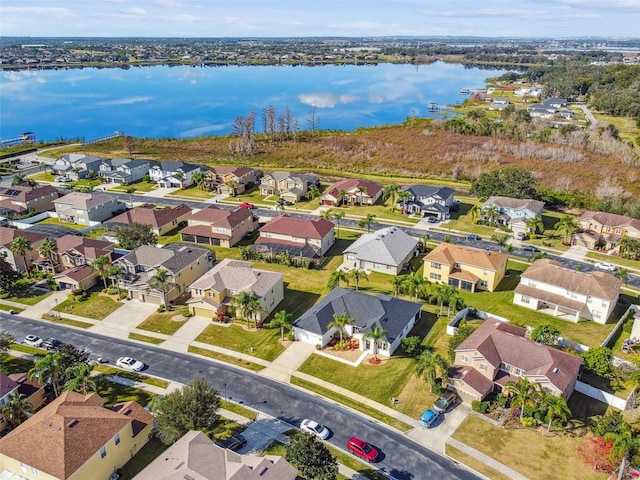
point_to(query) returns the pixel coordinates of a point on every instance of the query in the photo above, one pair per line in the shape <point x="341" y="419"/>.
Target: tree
<point x="501" y="239"/>
<point x="48" y="368"/>
<point x="340" y="322"/>
<point x="598" y="360"/>
<point x="81" y="381"/>
<point x="625" y="445"/>
<point x="161" y="280"/>
<point x="514" y="182"/>
<point x="47" y="248"/>
<point x="555" y="407"/>
<point x="414" y="283"/>
<point x="424" y="240"/>
<point x="101" y="265"/>
<point x="428" y="365"/>
<point x="390" y="192"/>
<point x="463" y="331"/>
<point x="445" y="294"/>
<point x="6" y="339"/>
<point x="360" y="193"/>
<point x="535" y="225"/>
<point x="326" y="215"/>
<point x="115" y="273"/>
<point x="367" y="222"/>
<point x="376" y="335"/>
<point x="337" y="216"/>
<point x="596" y="452"/>
<point x="475" y="212"/>
<point x="135" y="235"/>
<point x="16" y="409"/>
<point x="313" y="192"/>
<point x="357" y="274"/>
<point x="282" y="320"/>
<point x="336" y="277"/>
<point x="19" y="179"/>
<point x="623" y="275"/>
<point x="193" y="407"/>
<point x="311" y="457"/>
<point x="312" y="118"/>
<point x="248" y="305"/>
<point x="545" y="333"/>
<point x="128" y="144"/>
<point x="8" y="276"/>
<point x="566" y="225"/>
<point x="492" y="213"/>
<point x="524" y="392"/>
<point x="613" y="422"/>
<point x="397" y="281"/>
<point x="19" y="246"/>
<point x="412" y="345"/>
<point x="198" y="178"/>
<point x="404" y="196"/>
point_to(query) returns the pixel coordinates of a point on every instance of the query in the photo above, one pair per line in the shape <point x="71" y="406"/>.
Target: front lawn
<point x="8" y="308"/>
<point x="55" y="221"/>
<point x="96" y="306"/>
<point x="263" y="343"/>
<point x="141" y="186"/>
<point x="192" y="192"/>
<point x="15" y="365"/>
<point x="148" y="453"/>
<point x="26" y="295"/>
<point x="165" y="322"/>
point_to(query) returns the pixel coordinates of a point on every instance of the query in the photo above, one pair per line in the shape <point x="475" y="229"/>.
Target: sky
<point x="325" y="18"/>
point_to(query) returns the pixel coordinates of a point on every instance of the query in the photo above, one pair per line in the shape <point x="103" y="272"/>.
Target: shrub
<point x="161" y="308"/>
<point x="112" y="291"/>
<point x="528" y="422"/>
<point x="480" y="407"/>
<point x="503" y="401"/>
<point x="343" y="345"/>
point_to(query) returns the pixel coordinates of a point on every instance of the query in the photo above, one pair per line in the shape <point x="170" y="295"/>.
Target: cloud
<point x="169" y="3"/>
<point x="48" y="12"/>
<point x="600" y="5"/>
<point x="198" y="132"/>
<point x="125" y="101"/>
<point x="325" y="100"/>
<point x="373" y="98"/>
<point x="135" y="11"/>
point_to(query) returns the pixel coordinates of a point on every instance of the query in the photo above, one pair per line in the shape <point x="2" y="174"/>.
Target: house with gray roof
<point x="76" y="166"/>
<point x="184" y="263"/>
<point x="513" y="212"/>
<point x="123" y="170"/>
<point x="395" y="316"/>
<point x="383" y="251"/>
<point x="428" y="201"/>
<point x="173" y="173"/>
<point x="85" y="208"/>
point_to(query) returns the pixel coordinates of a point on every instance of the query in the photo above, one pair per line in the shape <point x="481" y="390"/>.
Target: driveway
<point x="124" y="320"/>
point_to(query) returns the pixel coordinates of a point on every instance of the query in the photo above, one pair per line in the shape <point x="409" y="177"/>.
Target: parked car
<point x="432" y="220"/>
<point x="234" y="442"/>
<point x="33" y="341"/>
<point x="363" y="449"/>
<point x="473" y="236"/>
<point x="52" y="344"/>
<point x="128" y="363"/>
<point x="247" y="205"/>
<point x="429" y="418"/>
<point x="606" y="267"/>
<point x="445" y="400"/>
<point x="521" y="236"/>
<point x="529" y="248"/>
<point x="315" y="428"/>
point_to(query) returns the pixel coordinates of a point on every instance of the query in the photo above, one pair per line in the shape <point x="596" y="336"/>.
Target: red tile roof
<point x="351" y="184"/>
<point x="298" y="227"/>
<point x="218" y="216"/>
<point x="148" y="215"/>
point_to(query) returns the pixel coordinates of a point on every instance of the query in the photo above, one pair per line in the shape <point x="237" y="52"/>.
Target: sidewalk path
<point x="575" y="252"/>
<point x="289" y="361"/>
<point x="124" y="320"/>
<point x="500" y="467"/>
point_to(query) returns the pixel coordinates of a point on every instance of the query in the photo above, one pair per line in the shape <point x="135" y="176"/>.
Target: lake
<point x="184" y="102"/>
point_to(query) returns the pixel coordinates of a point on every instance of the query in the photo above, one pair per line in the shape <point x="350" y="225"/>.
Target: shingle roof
<point x="299" y="227"/>
<point x="81" y="244"/>
<point x="84" y="200"/>
<point x="7" y="385"/>
<point x="426" y="191"/>
<point x="238" y="276"/>
<point x="387" y="313"/>
<point x="218" y="216"/>
<point x="610" y="219"/>
<point x="25" y="193"/>
<point x="78" y="273"/>
<point x="351" y="184"/>
<point x="147" y="255"/>
<point x="449" y="254"/>
<point x="63" y="435"/>
<point x="147" y="214"/>
<point x="8" y="234"/>
<point x="516" y="203"/>
<point x="388" y="246"/>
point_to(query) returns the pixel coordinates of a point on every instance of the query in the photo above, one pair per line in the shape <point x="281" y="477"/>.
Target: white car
<point x="128" y="363"/>
<point x="315" y="428"/>
<point x="33" y="340"/>
<point x="605" y="267"/>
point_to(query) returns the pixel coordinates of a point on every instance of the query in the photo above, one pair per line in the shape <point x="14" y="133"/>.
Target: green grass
<point x="239" y="410"/>
<point x="118" y="393"/>
<point x="55" y="221"/>
<point x="263" y="343"/>
<point x="623" y="262"/>
<point x="163" y="322"/>
<point x="26" y="295"/>
<point x="29" y="350"/>
<point x="15" y="364"/>
<point x="43" y="177"/>
<point x="96" y="306"/>
<point x="139" y="186"/>
<point x="66" y="321"/>
<point x="8" y="308"/>
<point x="192" y="192"/>
<point x="226" y="358"/>
<point x="173" y="238"/>
<point x="476" y="465"/>
<point x="148" y="453"/>
<point x="110" y="370"/>
<point x="146" y="338"/>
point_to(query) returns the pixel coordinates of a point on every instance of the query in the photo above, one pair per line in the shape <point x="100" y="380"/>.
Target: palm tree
<point x="358" y="274"/>
<point x="326" y="215"/>
<point x="248" y="303"/>
<point x="279" y="206"/>
<point x="556" y="407"/>
<point x="367" y="221"/>
<point x="397" y="281"/>
<point x="101" y="265"/>
<point x="199" y="178"/>
<point x="428" y="364"/>
<point x="629" y="248"/>
<point x="245" y="251"/>
<point x="404" y="196"/>
<point x="336" y="277"/>
<point x="241" y="302"/>
<point x="623" y="274"/>
<point x="81" y="380"/>
<point x="337" y="216"/>
<point x="535" y="225"/>
<point x="115" y="273"/>
<point x="625" y="444"/>
<point x="359" y="193"/>
<point x="509" y="249"/>
<point x="414" y="282"/>
<point x="161" y="280"/>
<point x="342" y="195"/>
<point x="566" y="225"/>
<point x="492" y="213"/>
<point x="313" y="192"/>
<point x="19" y="179"/>
<point x="47" y="248"/>
<point x="340" y="322"/>
<point x="525" y="393"/>
<point x="282" y="319"/>
<point x="47" y="368"/>
<point x="500" y="239"/>
<point x="16" y="409"/>
<point x="390" y="191"/>
<point x="537" y="255"/>
<point x="444" y="294"/>
<point x="424" y="239"/>
<point x="155" y="404"/>
<point x="376" y="335"/>
<point x="475" y="212"/>
<point x="130" y="190"/>
<point x="20" y="246"/>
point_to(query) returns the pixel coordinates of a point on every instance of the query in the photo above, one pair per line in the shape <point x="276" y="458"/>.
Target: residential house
<point x="33" y="390"/>
<point x="219" y="227"/>
<point x="76" y="166"/>
<point x="555" y="102"/>
<point x="87" y="208"/>
<point x="232" y="180"/>
<point x="20" y="263"/>
<point x="291" y="187"/>
<point x="123" y="170"/>
<point x="75" y="437"/>
<point x="513" y="212"/>
<point x="160" y="219"/>
<point x="541" y="111"/>
<point x="428" y="201"/>
<point x="173" y="173"/>
<point x="216" y="290"/>
<point x="384" y="251"/>
<point x="497" y="352"/>
<point x="391" y="314"/>
<point x="552" y="288"/>
<point x="353" y="191"/>
<point x="195" y="456"/>
<point x="20" y="199"/>
<point x="605" y="229"/>
<point x="184" y="263"/>
<point x="74" y="250"/>
<point x="465" y="268"/>
<point x="301" y="237"/>
<point x="499" y="103"/>
<point x="8" y="388"/>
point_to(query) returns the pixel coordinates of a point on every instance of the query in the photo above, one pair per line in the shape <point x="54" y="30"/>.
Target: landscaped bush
<point x="528" y="422"/>
<point x="112" y="291"/>
<point x="343" y="345"/>
<point x="480" y="407"/>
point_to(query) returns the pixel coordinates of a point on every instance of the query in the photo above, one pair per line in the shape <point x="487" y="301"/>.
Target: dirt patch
<point x="178" y="318"/>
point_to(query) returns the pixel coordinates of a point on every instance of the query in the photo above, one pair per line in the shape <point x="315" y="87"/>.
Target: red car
<point x="362" y="449"/>
<point x="246" y="205"/>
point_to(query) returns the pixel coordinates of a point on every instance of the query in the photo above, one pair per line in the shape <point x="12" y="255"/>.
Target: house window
<point x="589" y="299"/>
<point x="485" y="273"/>
<point x="505" y="367"/>
<point x="519" y="372"/>
<point x="103" y="452"/>
<point x="525" y="299"/>
<point x="618" y="231"/>
<point x="35" y="471"/>
<point x="464" y="358"/>
<point x="116" y="439"/>
<point x="23" y="467"/>
<point x="483" y="367"/>
<point x="484" y="283"/>
<point x="220" y="229"/>
<point x="435" y="277"/>
<point x="605" y="304"/>
<point x="436" y="266"/>
<point x="596" y="314"/>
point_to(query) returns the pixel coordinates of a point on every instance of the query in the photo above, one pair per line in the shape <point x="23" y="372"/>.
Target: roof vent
<point x="263" y="471"/>
<point x="72" y="423"/>
<point x="555" y="370"/>
<point x="127" y="411"/>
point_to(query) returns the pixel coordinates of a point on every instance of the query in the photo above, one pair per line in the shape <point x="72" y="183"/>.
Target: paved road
<point x="403" y="458"/>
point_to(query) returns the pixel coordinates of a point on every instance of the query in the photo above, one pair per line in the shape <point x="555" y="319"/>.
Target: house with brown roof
<point x="75" y="437"/>
<point x="215" y="291"/>
<point x="465" y="268"/>
<point x="605" y="229"/>
<point x="300" y="237"/>
<point x="289" y="186"/>
<point x="195" y="456"/>
<point x="73" y="251"/>
<point x="20" y="199"/>
<point x="18" y="262"/>
<point x="497" y="352"/>
<point x="353" y="191"/>
<point x="87" y="208"/>
<point x="32" y="389"/>
<point x="549" y="287"/>
<point x="8" y="388"/>
<point x="231" y="180"/>
<point x="160" y="219"/>
<point x="220" y="227"/>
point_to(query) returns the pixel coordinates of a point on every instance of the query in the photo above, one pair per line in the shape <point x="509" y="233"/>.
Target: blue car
<point x="429" y="418"/>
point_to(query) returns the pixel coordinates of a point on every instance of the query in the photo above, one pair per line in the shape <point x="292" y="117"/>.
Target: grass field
<point x="55" y="221"/>
<point x="96" y="306"/>
<point x="26" y="295"/>
<point x="263" y="343"/>
<point x="226" y="358"/>
<point x="165" y="322"/>
<point x="66" y="321"/>
<point x="146" y="338"/>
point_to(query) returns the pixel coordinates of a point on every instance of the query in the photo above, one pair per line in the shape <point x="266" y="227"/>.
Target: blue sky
<point x="283" y="18"/>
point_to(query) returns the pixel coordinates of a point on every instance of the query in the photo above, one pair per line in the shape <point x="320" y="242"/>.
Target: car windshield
<point x="318" y="428"/>
<point x="366" y="448"/>
<point x="441" y="401"/>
